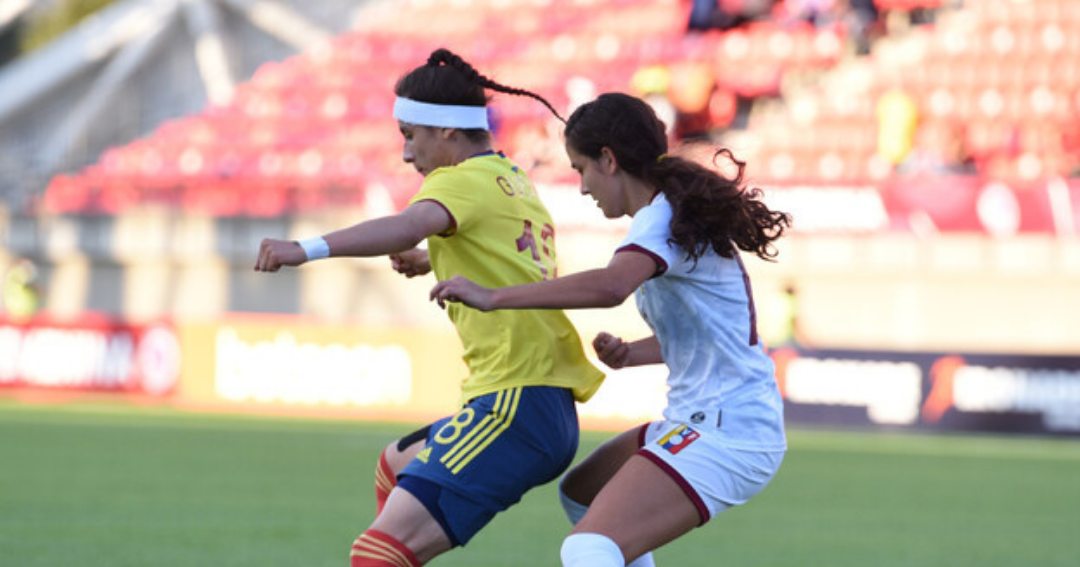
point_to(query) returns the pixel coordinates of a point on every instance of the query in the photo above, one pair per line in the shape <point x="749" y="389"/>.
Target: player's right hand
<point x="460" y="289"/>
<point x="611" y="350"/>
<point x="411" y="263"/>
<point x="274" y="253"/>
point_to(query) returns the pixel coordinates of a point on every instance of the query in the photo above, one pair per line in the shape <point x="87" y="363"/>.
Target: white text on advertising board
<point x="1053" y="393"/>
<point x="890" y="391"/>
<point x="287" y="371"/>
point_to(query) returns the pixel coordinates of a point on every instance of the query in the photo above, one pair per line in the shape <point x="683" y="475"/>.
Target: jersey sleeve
<point x="649" y="233"/>
<point x="460" y="201"/>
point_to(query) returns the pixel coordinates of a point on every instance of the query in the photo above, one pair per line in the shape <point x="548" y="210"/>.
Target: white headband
<point x="441" y="115"/>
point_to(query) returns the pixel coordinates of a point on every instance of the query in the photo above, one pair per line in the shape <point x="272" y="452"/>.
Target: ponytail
<point x="448" y="79"/>
<point x="710" y="210"/>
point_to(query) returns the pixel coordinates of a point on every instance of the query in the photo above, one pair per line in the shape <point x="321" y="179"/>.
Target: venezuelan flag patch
<point x="678" y="439"/>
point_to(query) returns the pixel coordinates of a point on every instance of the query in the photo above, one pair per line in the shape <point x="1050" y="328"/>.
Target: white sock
<point x="590" y="550"/>
<point x="643" y="561"/>
<point x="575" y="511"/>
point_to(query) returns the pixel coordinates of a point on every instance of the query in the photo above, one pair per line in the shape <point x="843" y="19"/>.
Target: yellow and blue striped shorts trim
<point x="487" y="431"/>
<point x="482" y="459"/>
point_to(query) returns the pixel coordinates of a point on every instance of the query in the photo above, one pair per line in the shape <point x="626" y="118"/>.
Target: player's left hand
<point x="460" y="289"/>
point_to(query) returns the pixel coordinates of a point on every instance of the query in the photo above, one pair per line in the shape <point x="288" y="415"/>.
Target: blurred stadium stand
<point x="253" y="119"/>
<point x="991" y="89"/>
<point x="119" y="75"/>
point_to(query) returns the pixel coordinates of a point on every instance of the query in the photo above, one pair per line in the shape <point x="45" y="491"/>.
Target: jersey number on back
<point x="527" y="241"/>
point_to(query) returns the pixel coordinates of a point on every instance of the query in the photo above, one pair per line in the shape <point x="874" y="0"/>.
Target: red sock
<point x="376" y="549"/>
<point x="385" y="481"/>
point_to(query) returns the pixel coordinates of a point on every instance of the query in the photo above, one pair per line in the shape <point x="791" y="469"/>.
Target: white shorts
<point x="714" y="476"/>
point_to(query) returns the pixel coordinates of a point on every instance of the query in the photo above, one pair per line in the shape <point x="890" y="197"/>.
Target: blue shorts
<point x="481" y="460"/>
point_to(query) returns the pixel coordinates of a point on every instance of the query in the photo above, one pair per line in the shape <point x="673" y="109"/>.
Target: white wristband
<point x="315" y="248"/>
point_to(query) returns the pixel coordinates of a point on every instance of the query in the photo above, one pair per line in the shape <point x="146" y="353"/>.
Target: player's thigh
<point x="400" y="452"/>
<point x="641" y="508"/>
<point x="407" y="520"/>
<point x="585" y="480"/>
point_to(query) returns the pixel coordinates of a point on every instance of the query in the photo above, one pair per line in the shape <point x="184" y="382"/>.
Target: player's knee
<point x="378" y="549"/>
<point x="388" y="456"/>
<point x="591" y="550"/>
<point x="385" y="463"/>
<point x="385" y="481"/>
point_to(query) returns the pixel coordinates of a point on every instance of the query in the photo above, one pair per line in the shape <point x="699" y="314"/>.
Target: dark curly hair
<point x="709" y="209"/>
<point x="448" y="79"/>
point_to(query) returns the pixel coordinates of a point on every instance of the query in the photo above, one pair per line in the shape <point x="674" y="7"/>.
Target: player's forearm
<point x="376" y="237"/>
<point x="591" y="289"/>
<point x="645" y="351"/>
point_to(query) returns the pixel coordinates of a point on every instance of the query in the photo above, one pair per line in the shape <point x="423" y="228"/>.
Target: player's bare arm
<point x="376" y="237"/>
<point x="616" y="353"/>
<point x="603" y="287"/>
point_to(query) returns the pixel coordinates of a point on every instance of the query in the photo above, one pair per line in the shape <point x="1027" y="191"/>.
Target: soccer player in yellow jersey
<point x="517" y="427"/>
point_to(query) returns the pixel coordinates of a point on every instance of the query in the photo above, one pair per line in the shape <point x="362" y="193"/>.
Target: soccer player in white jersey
<point x="722" y="437"/>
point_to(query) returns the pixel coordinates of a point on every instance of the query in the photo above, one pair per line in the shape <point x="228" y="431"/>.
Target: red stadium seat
<point x="67" y="194"/>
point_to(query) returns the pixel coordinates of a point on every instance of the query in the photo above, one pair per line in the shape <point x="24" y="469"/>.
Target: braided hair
<point x="448" y="79"/>
<point x="709" y="210"/>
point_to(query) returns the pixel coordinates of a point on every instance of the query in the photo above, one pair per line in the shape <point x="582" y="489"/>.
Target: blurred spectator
<point x="897" y="119"/>
<point x="685" y="96"/>
<point x="780" y="325"/>
<point x="863" y="22"/>
<point x="538" y="147"/>
<point x="859" y="18"/>
<point x="651" y="83"/>
<point x="691" y="88"/>
<point x="708" y="15"/>
<point x="10" y="32"/>
<point x="21" y="296"/>
<point x="724" y="108"/>
<point x="938" y="150"/>
<point x="726" y="14"/>
<point x="820" y="13"/>
<point x="650" y="79"/>
<point x="794" y="329"/>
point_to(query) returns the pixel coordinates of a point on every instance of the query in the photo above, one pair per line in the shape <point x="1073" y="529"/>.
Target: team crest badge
<point x="678" y="439"/>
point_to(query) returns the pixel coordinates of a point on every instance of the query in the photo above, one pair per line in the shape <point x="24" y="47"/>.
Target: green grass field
<point x="112" y="486"/>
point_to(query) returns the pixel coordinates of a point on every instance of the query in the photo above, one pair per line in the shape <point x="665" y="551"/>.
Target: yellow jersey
<point x="502" y="235"/>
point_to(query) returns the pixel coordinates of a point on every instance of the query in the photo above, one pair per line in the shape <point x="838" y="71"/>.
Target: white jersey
<point x="721" y="380"/>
